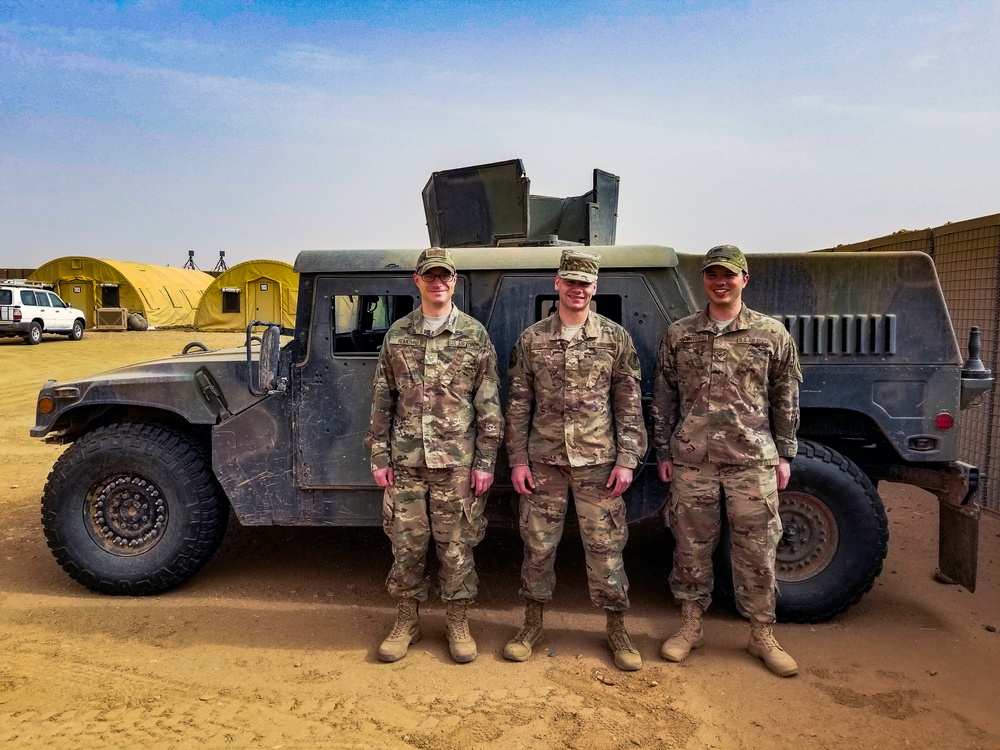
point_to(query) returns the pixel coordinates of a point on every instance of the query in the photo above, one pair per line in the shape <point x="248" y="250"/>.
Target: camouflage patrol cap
<point x="579" y="266"/>
<point x="727" y="256"/>
<point x="435" y="257"/>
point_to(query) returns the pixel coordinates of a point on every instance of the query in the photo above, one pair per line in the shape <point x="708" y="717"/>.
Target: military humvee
<point x="163" y="450"/>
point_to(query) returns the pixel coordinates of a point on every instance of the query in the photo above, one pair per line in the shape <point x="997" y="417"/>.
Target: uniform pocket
<point x="412" y="371"/>
<point x="693" y="364"/>
<point x="472" y="509"/>
<point x="599" y="362"/>
<point x="617" y="514"/>
<point x="387" y="512"/>
<point x="752" y="370"/>
<point x="461" y="372"/>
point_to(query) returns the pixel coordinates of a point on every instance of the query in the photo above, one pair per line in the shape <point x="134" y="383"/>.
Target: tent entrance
<point x="79" y="293"/>
<point x="265" y="300"/>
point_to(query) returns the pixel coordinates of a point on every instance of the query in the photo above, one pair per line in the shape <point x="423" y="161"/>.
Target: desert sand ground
<point x="273" y="644"/>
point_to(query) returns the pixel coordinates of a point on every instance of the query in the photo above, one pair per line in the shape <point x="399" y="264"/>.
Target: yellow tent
<point x="265" y="290"/>
<point x="166" y="297"/>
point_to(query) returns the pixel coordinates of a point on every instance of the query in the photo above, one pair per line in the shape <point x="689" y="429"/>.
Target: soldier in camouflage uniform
<point x="574" y="422"/>
<point x="725" y="414"/>
<point x="435" y="429"/>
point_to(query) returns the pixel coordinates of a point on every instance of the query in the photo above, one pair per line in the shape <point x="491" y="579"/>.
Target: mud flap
<point x="955" y="485"/>
<point x="958" y="543"/>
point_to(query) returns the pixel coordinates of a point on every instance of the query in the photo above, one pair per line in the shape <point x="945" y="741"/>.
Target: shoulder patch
<point x="633" y="360"/>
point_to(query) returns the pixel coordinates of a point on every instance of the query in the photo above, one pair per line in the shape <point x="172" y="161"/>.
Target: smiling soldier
<point x="435" y="431"/>
<point x="725" y="414"/>
<point x="574" y="423"/>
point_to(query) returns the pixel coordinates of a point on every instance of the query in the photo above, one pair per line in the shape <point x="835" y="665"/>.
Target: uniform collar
<point x="419" y="322"/>
<point x="591" y="328"/>
<point x="740" y="323"/>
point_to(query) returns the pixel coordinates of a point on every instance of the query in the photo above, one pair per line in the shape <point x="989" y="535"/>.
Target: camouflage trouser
<point x="602" y="528"/>
<point x="755" y="529"/>
<point x="455" y="520"/>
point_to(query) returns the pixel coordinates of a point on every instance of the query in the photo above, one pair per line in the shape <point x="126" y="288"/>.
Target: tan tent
<point x="265" y="290"/>
<point x="166" y="297"/>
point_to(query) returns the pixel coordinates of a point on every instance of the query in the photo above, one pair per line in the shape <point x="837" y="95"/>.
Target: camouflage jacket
<point x="575" y="403"/>
<point x="726" y="398"/>
<point x="436" y="400"/>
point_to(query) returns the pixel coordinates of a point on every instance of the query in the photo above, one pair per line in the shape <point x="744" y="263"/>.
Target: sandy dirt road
<point x="273" y="644"/>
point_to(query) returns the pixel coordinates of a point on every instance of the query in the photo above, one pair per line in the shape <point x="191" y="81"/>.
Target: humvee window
<point x="360" y="321"/>
<point x="608" y="305"/>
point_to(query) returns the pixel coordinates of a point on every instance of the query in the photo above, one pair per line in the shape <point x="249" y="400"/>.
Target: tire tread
<point x="209" y="513"/>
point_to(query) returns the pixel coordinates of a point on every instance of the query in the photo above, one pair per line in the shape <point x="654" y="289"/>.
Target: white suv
<point x="28" y="310"/>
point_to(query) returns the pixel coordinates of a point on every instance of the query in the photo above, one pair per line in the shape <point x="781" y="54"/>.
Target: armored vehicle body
<point x="162" y="452"/>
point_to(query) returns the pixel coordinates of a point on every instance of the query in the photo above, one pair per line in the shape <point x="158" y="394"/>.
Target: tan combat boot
<point x="530" y="634"/>
<point x="627" y="656"/>
<point x="689" y="636"/>
<point x="405" y="630"/>
<point x="764" y="646"/>
<point x="460" y="641"/>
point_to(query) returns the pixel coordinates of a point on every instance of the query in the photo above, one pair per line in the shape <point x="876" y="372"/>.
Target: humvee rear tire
<point x="133" y="509"/>
<point x="835" y="536"/>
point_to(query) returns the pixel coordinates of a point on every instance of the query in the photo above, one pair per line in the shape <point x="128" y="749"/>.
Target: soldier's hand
<point x="666" y="471"/>
<point x="783" y="472"/>
<point x="523" y="482"/>
<point x="619" y="481"/>
<point x="480" y="481"/>
<point x="383" y="477"/>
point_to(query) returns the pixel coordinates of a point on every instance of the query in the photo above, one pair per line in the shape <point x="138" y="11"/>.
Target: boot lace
<point x="404" y="616"/>
<point x="459" y="625"/>
<point x="765" y="637"/>
<point x="689" y="626"/>
<point x="620" y="641"/>
<point x="532" y="624"/>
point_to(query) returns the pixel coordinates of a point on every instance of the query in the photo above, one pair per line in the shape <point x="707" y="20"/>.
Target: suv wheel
<point x="835" y="535"/>
<point x="34" y="335"/>
<point x="76" y="333"/>
<point x="133" y="509"/>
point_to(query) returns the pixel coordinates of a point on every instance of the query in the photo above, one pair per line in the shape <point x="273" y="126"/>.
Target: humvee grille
<point x="842" y="334"/>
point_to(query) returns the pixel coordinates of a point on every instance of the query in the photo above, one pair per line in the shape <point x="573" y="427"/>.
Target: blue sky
<point x="142" y="130"/>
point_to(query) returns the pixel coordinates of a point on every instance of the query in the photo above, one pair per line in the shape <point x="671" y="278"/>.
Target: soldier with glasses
<point x="435" y="429"/>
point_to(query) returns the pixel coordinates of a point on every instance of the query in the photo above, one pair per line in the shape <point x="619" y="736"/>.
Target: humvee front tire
<point x="835" y="535"/>
<point x="133" y="509"/>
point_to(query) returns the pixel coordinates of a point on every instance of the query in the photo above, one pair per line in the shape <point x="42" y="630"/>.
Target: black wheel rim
<point x="809" y="539"/>
<point x="125" y="514"/>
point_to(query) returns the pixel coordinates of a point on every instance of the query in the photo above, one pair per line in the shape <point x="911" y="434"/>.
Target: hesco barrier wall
<point x="966" y="256"/>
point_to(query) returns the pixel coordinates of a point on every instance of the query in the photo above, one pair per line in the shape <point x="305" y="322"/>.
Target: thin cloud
<point x="823" y="105"/>
<point x="924" y="60"/>
<point x="315" y="59"/>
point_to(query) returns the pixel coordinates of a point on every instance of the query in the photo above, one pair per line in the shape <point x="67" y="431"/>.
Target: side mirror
<point x="270" y="351"/>
<point x="266" y="379"/>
